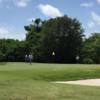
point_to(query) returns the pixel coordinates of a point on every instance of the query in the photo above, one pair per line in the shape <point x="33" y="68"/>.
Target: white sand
<point x="88" y="82"/>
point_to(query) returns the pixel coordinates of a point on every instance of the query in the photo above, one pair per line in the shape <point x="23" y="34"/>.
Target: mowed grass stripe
<point x="49" y="72"/>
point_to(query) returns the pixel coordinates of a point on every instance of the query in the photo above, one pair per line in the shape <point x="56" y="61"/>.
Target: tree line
<point x="57" y="40"/>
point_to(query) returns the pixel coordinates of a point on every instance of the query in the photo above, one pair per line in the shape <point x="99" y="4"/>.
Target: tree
<point x="12" y="50"/>
<point x="91" y="48"/>
<point x="62" y="35"/>
<point x="33" y="37"/>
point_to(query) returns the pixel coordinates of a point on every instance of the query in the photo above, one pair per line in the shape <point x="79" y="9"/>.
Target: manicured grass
<point x="48" y="72"/>
<point x="21" y="81"/>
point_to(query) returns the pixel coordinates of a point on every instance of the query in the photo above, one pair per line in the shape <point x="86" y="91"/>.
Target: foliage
<point x="12" y="50"/>
<point x="58" y="40"/>
<point x="33" y="37"/>
<point x="62" y="35"/>
<point x="91" y="48"/>
<point x="87" y="61"/>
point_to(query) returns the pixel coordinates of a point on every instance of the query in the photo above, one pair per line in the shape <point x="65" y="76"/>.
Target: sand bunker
<point x="88" y="82"/>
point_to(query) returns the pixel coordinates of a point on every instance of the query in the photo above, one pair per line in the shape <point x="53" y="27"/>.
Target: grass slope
<point x="21" y="81"/>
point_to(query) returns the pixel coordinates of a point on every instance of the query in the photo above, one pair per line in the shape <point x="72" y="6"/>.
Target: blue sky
<point x="14" y="14"/>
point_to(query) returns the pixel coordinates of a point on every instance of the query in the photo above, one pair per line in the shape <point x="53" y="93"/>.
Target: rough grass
<point x="21" y="81"/>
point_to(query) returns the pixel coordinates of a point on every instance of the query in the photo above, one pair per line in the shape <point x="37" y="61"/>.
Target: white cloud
<point x="9" y="32"/>
<point x="17" y="3"/>
<point x="91" y="24"/>
<point x="87" y="4"/>
<point x="96" y="18"/>
<point x="3" y="30"/>
<point x="49" y="10"/>
<point x="98" y="1"/>
<point x="21" y="3"/>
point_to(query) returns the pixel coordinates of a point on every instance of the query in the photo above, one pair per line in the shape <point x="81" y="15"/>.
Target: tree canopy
<point x="61" y="35"/>
<point x="91" y="48"/>
<point x="58" y="40"/>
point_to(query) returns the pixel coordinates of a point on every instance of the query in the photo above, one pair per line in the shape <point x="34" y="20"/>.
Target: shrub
<point x="87" y="61"/>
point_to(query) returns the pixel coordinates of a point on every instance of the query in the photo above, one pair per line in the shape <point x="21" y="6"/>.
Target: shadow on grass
<point x="3" y="63"/>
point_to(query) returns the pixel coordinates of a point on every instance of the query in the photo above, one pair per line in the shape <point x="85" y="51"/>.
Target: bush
<point x="87" y="61"/>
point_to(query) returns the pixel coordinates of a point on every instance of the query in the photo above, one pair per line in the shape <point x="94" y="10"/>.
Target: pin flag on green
<point x="53" y="53"/>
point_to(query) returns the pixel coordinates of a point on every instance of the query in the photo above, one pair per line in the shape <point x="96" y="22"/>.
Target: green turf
<point x="21" y="81"/>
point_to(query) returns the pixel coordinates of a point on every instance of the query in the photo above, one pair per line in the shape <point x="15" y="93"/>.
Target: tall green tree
<point x="33" y="36"/>
<point x="62" y="35"/>
<point x="91" y="48"/>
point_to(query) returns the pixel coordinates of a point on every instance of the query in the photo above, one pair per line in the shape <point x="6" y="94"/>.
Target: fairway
<point x="22" y="81"/>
